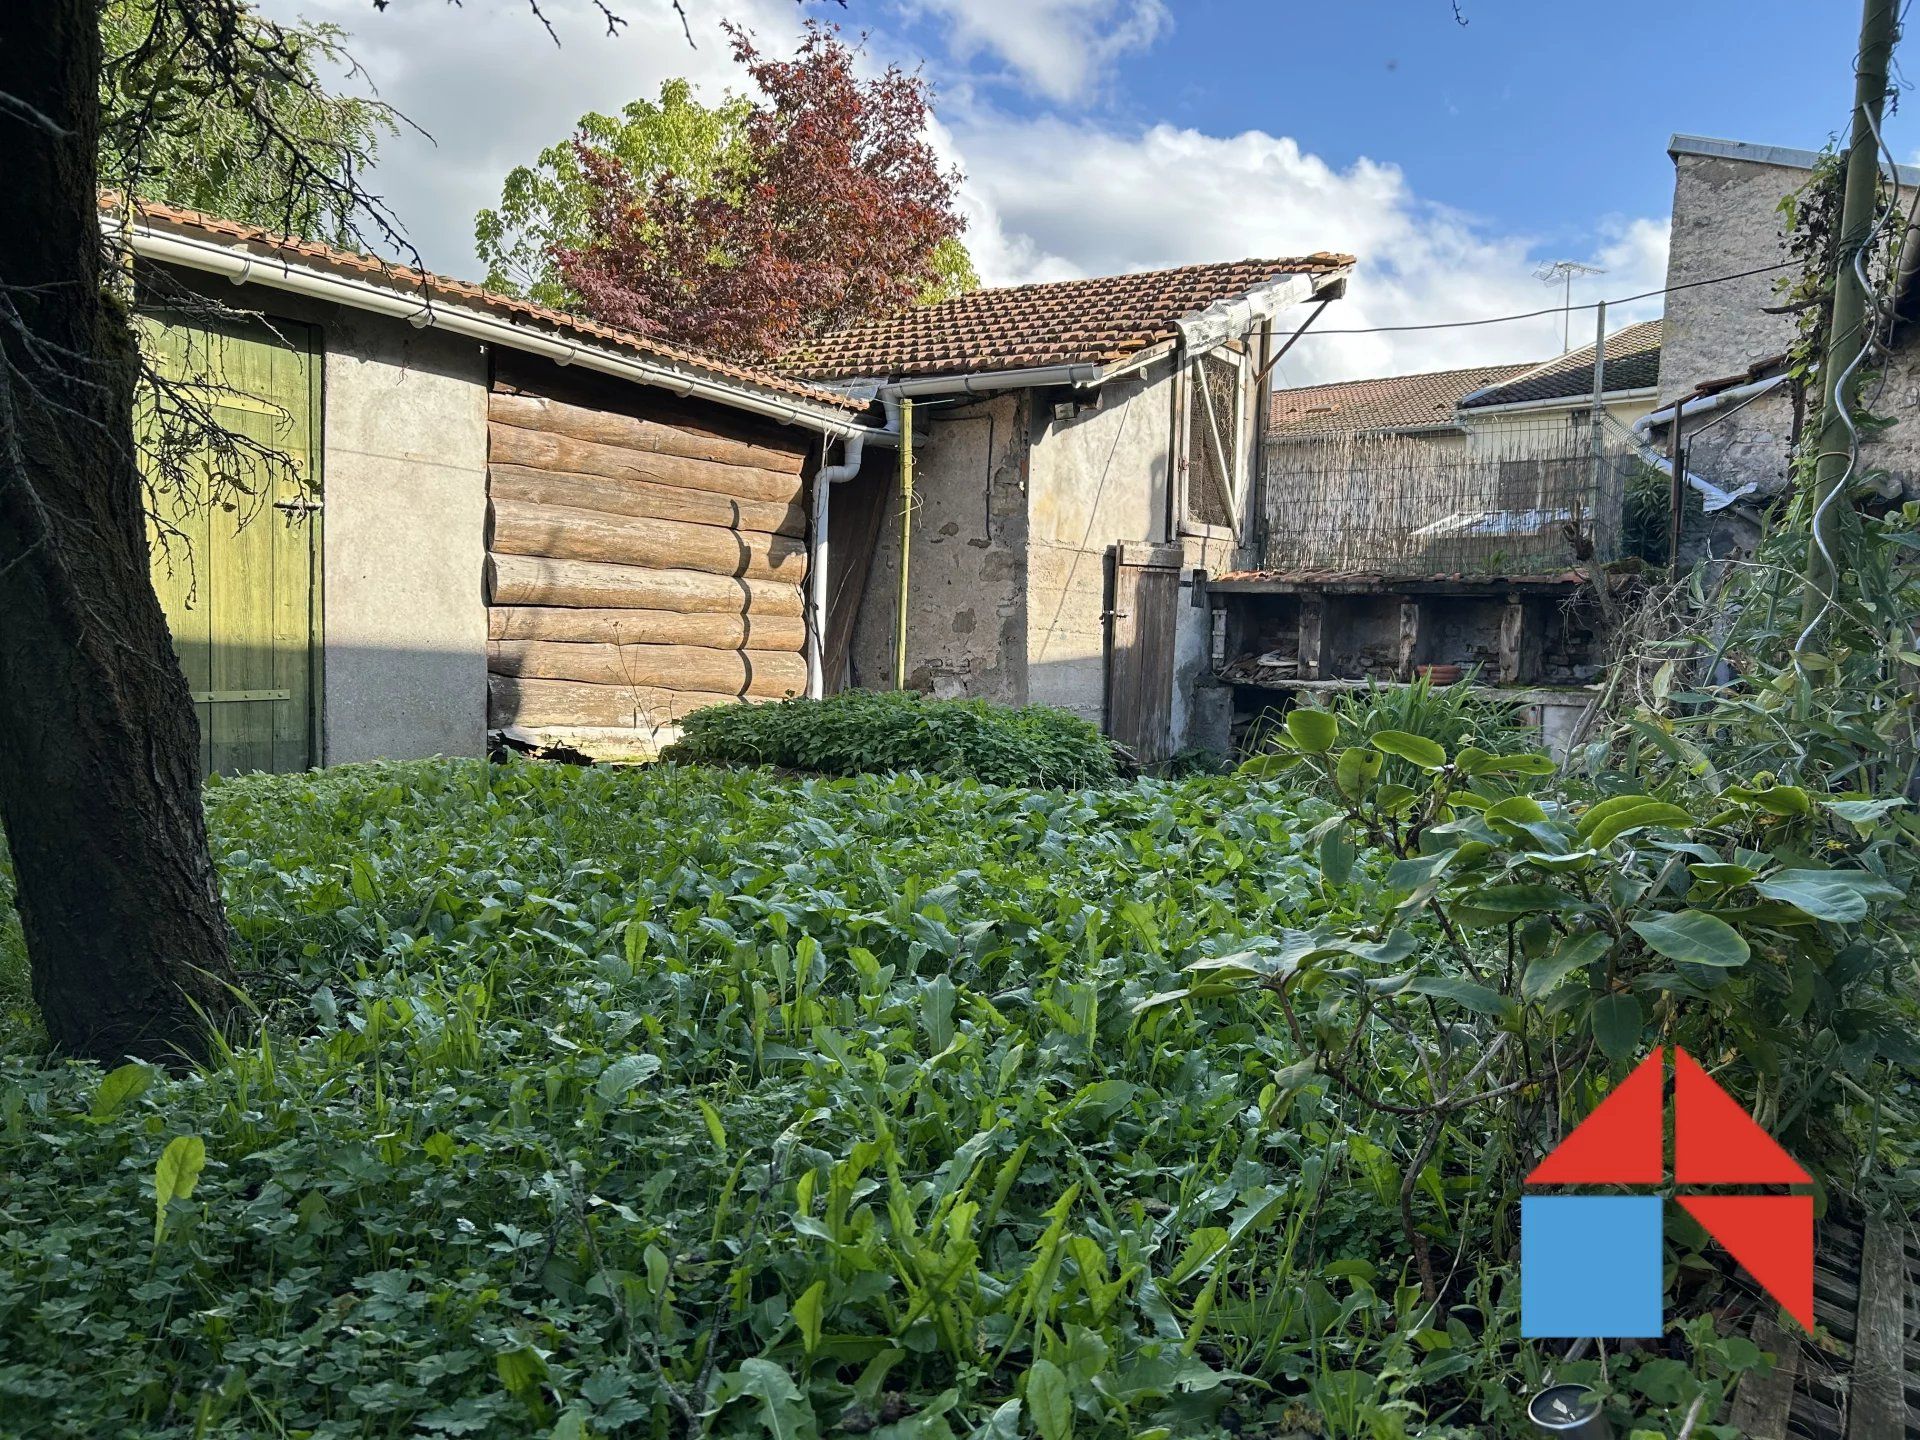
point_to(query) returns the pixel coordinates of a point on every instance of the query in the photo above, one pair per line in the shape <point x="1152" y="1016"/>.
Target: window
<point x="1215" y="440"/>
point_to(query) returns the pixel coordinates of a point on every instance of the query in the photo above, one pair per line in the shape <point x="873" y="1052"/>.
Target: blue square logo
<point x="1590" y="1265"/>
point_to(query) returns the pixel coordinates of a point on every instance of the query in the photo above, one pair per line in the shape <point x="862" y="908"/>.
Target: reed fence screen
<point x="1508" y="500"/>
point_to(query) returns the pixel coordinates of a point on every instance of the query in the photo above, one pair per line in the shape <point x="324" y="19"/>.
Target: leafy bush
<point x="676" y="1100"/>
<point x="864" y="731"/>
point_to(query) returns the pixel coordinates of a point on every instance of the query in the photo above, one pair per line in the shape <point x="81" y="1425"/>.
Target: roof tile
<point x="257" y="240"/>
<point x="1633" y="363"/>
<point x="1399" y="402"/>
<point x="1095" y="321"/>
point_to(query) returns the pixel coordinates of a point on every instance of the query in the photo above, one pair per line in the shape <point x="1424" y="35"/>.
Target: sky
<point x="1098" y="136"/>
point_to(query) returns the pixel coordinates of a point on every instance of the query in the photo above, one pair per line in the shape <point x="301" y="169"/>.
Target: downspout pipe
<point x="852" y="450"/>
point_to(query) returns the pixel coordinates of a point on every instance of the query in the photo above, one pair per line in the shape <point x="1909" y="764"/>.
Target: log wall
<point x="645" y="557"/>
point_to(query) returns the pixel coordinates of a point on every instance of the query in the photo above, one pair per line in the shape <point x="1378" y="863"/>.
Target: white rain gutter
<point x="986" y="382"/>
<point x="1232" y="318"/>
<point x="852" y="450"/>
<point x="280" y="273"/>
<point x="1705" y="404"/>
<point x="1714" y="498"/>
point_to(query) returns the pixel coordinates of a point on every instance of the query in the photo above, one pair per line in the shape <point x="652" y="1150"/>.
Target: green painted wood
<point x="235" y="555"/>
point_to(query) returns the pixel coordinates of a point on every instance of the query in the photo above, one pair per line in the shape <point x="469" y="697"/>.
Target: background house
<point x="1443" y="524"/>
<point x="1724" y="357"/>
<point x="1089" y="450"/>
<point x="481" y="514"/>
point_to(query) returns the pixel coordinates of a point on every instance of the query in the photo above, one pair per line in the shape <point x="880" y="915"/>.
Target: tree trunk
<point x="99" y="755"/>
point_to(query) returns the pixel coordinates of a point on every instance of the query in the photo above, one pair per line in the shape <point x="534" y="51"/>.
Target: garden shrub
<point x="866" y="731"/>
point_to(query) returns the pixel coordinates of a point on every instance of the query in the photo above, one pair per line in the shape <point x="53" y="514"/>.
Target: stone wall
<point x="966" y="604"/>
<point x="1726" y="219"/>
<point x="1098" y="478"/>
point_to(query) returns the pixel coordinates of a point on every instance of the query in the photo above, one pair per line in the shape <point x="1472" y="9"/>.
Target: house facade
<point x="452" y="516"/>
<point x="1088" y="456"/>
<point x="1724" y="360"/>
<point x="459" y="514"/>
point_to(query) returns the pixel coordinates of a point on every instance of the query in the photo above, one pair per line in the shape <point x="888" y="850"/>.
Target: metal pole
<point x="906" y="540"/>
<point x="1676" y="492"/>
<point x="1601" y="510"/>
<point x="1846" y="334"/>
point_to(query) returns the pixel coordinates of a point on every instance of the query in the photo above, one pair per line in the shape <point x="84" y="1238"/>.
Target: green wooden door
<point x="235" y="532"/>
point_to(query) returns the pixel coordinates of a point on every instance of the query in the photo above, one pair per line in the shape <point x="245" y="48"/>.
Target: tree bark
<point x="99" y="753"/>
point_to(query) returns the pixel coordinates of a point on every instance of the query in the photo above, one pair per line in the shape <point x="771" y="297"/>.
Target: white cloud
<point x="1053" y="198"/>
<point x="1047" y="198"/>
<point x="1061" y="49"/>
<point x="493" y="90"/>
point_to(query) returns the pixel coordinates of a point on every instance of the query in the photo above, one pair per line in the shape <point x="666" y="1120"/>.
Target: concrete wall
<point x="1097" y="478"/>
<point x="404" y="541"/>
<point x="966" y="605"/>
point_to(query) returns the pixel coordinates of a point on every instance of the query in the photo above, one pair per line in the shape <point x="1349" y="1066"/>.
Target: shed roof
<point x="1098" y="321"/>
<point x="1398" y="402"/>
<point x="538" y="319"/>
<point x="1633" y="363"/>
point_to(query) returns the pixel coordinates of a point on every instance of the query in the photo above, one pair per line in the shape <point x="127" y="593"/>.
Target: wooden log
<point x="543" y="450"/>
<point x="1878" y="1408"/>
<point x="515" y="701"/>
<point x="1762" y="1403"/>
<point x="647" y="627"/>
<point x="644" y="499"/>
<point x="561" y="533"/>
<point x="769" y="674"/>
<point x="536" y="580"/>
<point x="610" y="427"/>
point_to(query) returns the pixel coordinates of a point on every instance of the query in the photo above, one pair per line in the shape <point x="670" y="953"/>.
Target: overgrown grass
<point x="684" y="1101"/>
<point x="863" y="731"/>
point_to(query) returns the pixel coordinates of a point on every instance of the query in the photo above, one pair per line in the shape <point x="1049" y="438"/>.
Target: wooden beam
<point x="643" y="498"/>
<point x="561" y="533"/>
<point x="711" y="629"/>
<point x="1877" y="1407"/>
<point x="543" y="450"/>
<point x="609" y="427"/>
<point x="1762" y="1403"/>
<point x="1409" y="637"/>
<point x="1313" y="615"/>
<point x="768" y="674"/>
<point x="515" y="701"/>
<point x="1513" y="625"/>
<point x="538" y="580"/>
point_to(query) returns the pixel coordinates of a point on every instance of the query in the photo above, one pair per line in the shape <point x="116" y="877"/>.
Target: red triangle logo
<point x="1621" y="1142"/>
<point x="1772" y="1238"/>
<point x="1715" y="1142"/>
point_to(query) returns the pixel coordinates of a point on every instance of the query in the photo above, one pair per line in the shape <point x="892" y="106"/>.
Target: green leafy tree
<point x="675" y="139"/>
<point x="172" y="128"/>
<point x="675" y="144"/>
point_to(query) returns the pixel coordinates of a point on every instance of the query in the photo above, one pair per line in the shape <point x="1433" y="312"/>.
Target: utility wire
<point x="1553" y="309"/>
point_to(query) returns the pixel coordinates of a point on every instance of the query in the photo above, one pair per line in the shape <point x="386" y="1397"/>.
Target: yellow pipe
<point x="906" y="541"/>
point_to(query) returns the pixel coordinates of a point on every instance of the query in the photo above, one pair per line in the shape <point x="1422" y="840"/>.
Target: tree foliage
<point x="675" y="141"/>
<point x="832" y="206"/>
<point x="231" y="117"/>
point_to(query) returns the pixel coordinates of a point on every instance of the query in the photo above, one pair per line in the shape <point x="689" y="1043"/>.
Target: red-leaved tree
<point x="834" y="209"/>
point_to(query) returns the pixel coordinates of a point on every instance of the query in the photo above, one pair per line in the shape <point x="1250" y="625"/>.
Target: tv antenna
<point x="1564" y="271"/>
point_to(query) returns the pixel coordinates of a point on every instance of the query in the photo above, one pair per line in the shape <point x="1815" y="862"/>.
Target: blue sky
<point x="1107" y="135"/>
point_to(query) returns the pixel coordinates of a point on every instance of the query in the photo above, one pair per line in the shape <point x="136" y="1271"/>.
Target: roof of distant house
<point x="254" y="240"/>
<point x="1400" y="402"/>
<point x="1100" y="321"/>
<point x="1633" y="363"/>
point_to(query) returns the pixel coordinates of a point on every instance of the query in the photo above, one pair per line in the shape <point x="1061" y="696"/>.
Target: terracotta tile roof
<point x="1633" y="363"/>
<point x="1400" y="402"/>
<point x="1098" y="321"/>
<point x="255" y="240"/>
